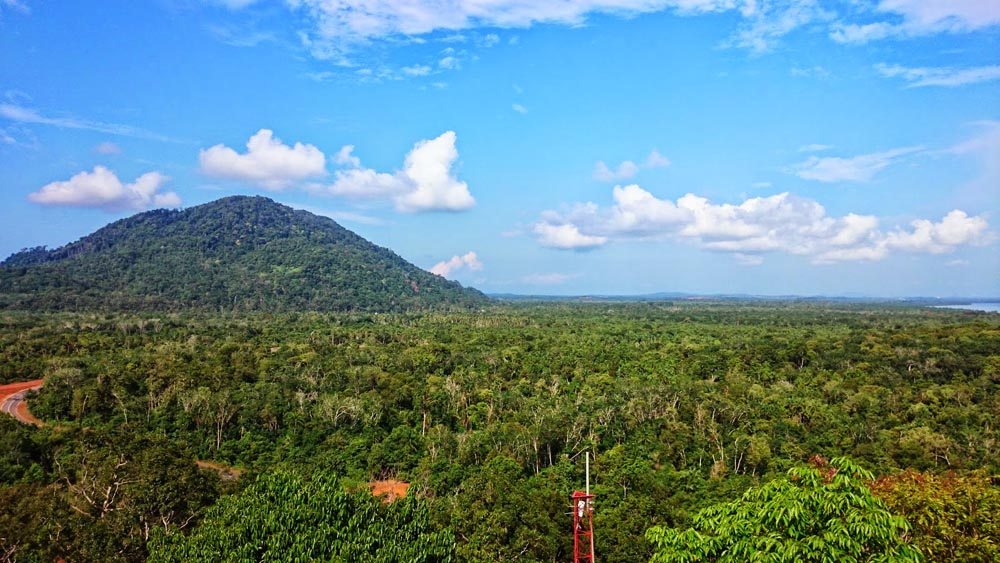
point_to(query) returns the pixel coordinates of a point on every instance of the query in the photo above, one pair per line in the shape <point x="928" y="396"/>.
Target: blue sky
<point x="592" y="146"/>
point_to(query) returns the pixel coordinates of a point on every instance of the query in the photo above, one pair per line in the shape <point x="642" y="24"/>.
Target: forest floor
<point x="12" y="400"/>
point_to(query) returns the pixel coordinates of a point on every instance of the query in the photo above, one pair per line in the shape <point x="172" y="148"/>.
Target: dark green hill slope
<point x="236" y="253"/>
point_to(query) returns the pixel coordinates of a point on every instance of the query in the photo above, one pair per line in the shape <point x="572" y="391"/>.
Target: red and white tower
<point x="583" y="522"/>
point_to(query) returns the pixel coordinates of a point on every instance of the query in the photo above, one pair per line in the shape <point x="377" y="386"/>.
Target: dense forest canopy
<point x="486" y="415"/>
<point x="234" y="254"/>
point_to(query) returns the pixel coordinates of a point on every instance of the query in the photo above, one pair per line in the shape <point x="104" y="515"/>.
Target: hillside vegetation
<point x="234" y="254"/>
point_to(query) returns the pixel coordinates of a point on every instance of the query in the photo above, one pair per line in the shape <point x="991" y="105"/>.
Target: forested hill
<point x="236" y="253"/>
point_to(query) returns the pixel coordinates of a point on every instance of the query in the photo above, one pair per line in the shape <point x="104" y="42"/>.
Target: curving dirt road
<point x="12" y="400"/>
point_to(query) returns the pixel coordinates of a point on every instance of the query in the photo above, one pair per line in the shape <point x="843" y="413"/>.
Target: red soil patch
<point x="11" y="388"/>
<point x="24" y="415"/>
<point x="389" y="490"/>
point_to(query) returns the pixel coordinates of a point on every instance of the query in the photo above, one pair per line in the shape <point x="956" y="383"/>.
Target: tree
<point x="955" y="517"/>
<point x="824" y="512"/>
<point x="288" y="516"/>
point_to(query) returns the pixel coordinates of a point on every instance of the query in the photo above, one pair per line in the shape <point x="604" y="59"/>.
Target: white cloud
<point x="268" y="162"/>
<point x="346" y="157"/>
<point x="627" y="168"/>
<point x="955" y="229"/>
<point x="468" y="261"/>
<point x="365" y="183"/>
<point x="16" y="135"/>
<point x="986" y="143"/>
<point x="624" y="171"/>
<point x="428" y="167"/>
<point x="339" y="26"/>
<point x="107" y="147"/>
<point x="425" y="183"/>
<point x="519" y="109"/>
<point x="947" y="77"/>
<point x="416" y="70"/>
<point x="656" y="160"/>
<point x="449" y="63"/>
<point x="765" y="23"/>
<point x="102" y="189"/>
<point x="335" y="28"/>
<point x="957" y="262"/>
<point x="14" y="112"/>
<point x="549" y="278"/>
<point x="921" y="17"/>
<point x="861" y="168"/>
<point x="566" y="237"/>
<point x="778" y="223"/>
<point x="16" y="5"/>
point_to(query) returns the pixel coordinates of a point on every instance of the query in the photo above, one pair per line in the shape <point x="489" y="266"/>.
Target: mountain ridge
<point x="234" y="253"/>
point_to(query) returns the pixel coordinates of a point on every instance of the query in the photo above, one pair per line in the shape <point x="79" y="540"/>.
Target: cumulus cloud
<point x="467" y="261"/>
<point x="920" y="17"/>
<point x="566" y="236"/>
<point x="779" y="223"/>
<point x="345" y="156"/>
<point x="861" y="168"/>
<point x="627" y="168"/>
<point x="519" y="109"/>
<point x="102" y="189"/>
<point x="268" y="162"/>
<point x="917" y="77"/>
<point x="425" y="183"/>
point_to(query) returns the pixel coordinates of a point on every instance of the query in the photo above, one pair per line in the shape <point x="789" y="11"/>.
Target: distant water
<point x="988" y="307"/>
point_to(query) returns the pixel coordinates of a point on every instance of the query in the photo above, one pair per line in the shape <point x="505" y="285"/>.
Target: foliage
<point x="682" y="405"/>
<point x="821" y="513"/>
<point x="109" y="489"/>
<point x="955" y="517"/>
<point x="234" y="254"/>
<point x="285" y="516"/>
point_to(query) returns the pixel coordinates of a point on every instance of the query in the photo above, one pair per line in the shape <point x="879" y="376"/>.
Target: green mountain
<point x="236" y="253"/>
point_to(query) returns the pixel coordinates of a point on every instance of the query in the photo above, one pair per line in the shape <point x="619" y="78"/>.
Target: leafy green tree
<point x="824" y="512"/>
<point x="287" y="516"/>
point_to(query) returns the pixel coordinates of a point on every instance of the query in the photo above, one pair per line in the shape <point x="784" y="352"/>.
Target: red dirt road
<point x="13" y="403"/>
